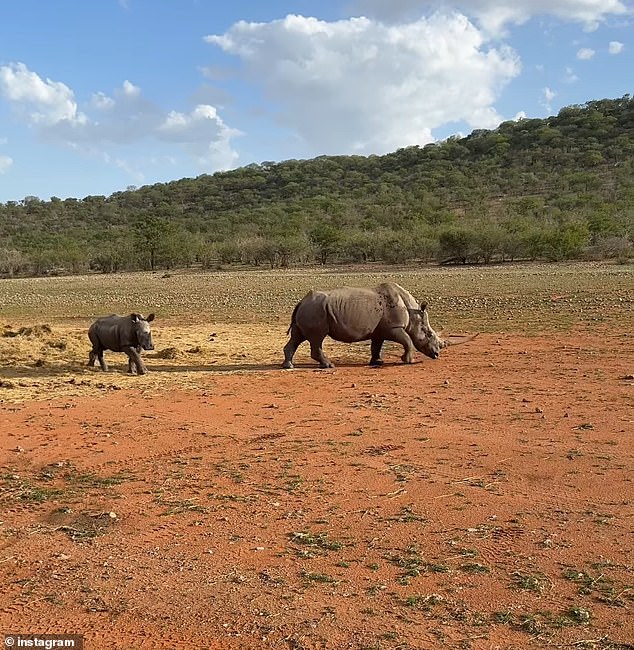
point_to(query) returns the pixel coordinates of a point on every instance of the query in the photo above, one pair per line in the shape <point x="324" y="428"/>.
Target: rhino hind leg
<point x="375" y="349"/>
<point x="318" y="354"/>
<point x="297" y="338"/>
<point x="96" y="354"/>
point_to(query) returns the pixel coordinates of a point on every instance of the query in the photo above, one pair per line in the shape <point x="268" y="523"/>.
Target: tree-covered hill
<point x="552" y="188"/>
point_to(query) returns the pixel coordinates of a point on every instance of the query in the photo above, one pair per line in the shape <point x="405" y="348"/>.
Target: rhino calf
<point x="350" y="314"/>
<point x="129" y="334"/>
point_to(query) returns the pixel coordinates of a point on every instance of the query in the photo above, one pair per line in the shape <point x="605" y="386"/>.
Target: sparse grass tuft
<point x="317" y="541"/>
<point x="177" y="506"/>
<point x="529" y="582"/>
<point x="602" y="587"/>
<point x="474" y="567"/>
<point x="317" y="577"/>
<point x="414" y="565"/>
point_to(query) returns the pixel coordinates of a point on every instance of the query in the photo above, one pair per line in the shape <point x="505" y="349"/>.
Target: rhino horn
<point x="457" y="339"/>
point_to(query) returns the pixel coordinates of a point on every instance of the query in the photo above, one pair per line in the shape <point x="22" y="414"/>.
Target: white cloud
<point x="615" y="47"/>
<point x="570" y="76"/>
<point x="585" y="53"/>
<point x="520" y="115"/>
<point x="123" y="120"/>
<point x="41" y="101"/>
<point x="494" y="15"/>
<point x="5" y="163"/>
<point x="547" y="97"/>
<point x="102" y="101"/>
<point x="130" y="89"/>
<point x="361" y="86"/>
<point x="194" y="130"/>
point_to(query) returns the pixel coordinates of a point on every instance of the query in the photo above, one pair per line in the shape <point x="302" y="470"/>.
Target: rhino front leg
<point x="134" y="359"/>
<point x="318" y="354"/>
<point x="402" y="337"/>
<point x="375" y="349"/>
<point x="291" y="347"/>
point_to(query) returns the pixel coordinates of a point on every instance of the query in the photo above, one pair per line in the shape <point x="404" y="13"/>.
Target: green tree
<point x="12" y="261"/>
<point x="457" y="244"/>
<point x="327" y="241"/>
<point x="150" y="233"/>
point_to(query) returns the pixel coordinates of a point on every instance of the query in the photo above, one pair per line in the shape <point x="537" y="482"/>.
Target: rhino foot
<point x="287" y="365"/>
<point x="407" y="358"/>
<point x="326" y="364"/>
<point x="376" y="363"/>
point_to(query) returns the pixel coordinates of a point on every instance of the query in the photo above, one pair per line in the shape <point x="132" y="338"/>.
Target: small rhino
<point x="129" y="334"/>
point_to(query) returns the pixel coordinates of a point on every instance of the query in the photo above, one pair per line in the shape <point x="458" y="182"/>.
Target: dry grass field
<point x="482" y="500"/>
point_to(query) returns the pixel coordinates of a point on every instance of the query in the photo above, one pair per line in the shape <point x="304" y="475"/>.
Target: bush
<point x="620" y="249"/>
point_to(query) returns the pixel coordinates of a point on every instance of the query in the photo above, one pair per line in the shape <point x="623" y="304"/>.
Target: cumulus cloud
<point x="585" y="53"/>
<point x="41" y="101"/>
<point x="570" y="77"/>
<point x="494" y="15"/>
<point x="615" y="47"/>
<point x="361" y="86"/>
<point x="123" y="119"/>
<point x="194" y="129"/>
<point x="5" y="163"/>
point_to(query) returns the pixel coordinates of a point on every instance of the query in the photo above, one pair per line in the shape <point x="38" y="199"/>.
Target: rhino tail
<point x="290" y="327"/>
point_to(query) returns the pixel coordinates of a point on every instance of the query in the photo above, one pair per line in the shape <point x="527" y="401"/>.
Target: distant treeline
<point x="555" y="188"/>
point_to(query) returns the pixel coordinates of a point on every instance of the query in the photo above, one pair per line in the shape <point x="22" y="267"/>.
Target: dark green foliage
<point x="556" y="188"/>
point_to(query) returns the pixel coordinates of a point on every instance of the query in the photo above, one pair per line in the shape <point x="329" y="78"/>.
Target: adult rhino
<point x="129" y="334"/>
<point x="350" y="314"/>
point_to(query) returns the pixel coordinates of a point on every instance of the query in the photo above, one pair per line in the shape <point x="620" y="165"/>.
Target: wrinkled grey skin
<point x="350" y="314"/>
<point x="129" y="334"/>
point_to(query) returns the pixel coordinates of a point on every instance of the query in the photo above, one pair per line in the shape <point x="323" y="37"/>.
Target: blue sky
<point x="99" y="95"/>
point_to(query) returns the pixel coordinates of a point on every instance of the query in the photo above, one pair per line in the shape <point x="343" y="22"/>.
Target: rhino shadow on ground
<point x="81" y="371"/>
<point x="211" y="367"/>
<point x="36" y="372"/>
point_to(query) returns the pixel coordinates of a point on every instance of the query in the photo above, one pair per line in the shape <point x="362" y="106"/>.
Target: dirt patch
<point x="483" y="500"/>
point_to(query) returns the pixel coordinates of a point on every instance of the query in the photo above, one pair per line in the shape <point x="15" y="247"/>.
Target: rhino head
<point x="142" y="329"/>
<point x="424" y="338"/>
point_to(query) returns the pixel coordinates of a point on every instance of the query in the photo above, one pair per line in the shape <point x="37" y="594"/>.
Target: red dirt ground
<point x="483" y="500"/>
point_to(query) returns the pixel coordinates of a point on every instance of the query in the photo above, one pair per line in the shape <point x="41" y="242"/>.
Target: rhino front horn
<point x="458" y="339"/>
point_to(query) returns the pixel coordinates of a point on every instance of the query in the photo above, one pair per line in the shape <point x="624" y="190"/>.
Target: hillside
<point x="550" y="188"/>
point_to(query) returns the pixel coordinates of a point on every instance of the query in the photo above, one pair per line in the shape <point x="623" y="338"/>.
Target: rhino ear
<point x="135" y="318"/>
<point x="150" y="318"/>
<point x="423" y="306"/>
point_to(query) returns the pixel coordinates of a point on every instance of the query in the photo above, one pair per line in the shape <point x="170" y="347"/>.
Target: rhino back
<point x="113" y="332"/>
<point x="353" y="313"/>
